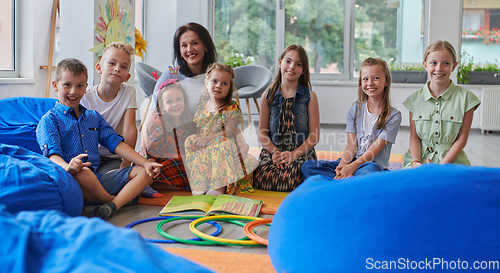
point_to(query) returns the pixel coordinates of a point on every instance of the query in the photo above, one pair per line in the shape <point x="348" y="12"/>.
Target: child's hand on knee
<point x="274" y="157"/>
<point x="76" y="164"/>
<point x="345" y="171"/>
<point x="284" y="159"/>
<point x="201" y="142"/>
<point x="339" y="168"/>
<point x="152" y="168"/>
<point x="190" y="143"/>
<point x="417" y="163"/>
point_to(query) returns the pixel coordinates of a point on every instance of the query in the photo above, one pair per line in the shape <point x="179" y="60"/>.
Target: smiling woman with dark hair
<point x="194" y="35"/>
<point x="194" y="51"/>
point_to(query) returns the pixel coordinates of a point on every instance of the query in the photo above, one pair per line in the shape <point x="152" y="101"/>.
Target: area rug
<point x="395" y="161"/>
<point x="222" y="262"/>
<point x="271" y="199"/>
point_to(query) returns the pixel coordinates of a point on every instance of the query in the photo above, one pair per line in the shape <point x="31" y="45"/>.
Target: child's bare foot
<point x="217" y="192"/>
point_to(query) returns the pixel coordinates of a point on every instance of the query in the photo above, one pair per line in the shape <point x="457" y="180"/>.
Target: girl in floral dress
<point x="218" y="156"/>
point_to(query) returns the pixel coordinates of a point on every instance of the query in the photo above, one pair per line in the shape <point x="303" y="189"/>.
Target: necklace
<point x="289" y="94"/>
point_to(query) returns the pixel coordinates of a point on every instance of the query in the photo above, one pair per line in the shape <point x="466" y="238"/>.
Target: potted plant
<point x="466" y="63"/>
<point x="229" y="55"/>
<point x="408" y="73"/>
<point x="468" y="73"/>
<point x="238" y="59"/>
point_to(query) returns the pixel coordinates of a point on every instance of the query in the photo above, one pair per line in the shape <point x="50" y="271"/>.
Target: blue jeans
<point x="107" y="164"/>
<point x="327" y="168"/>
<point x="113" y="181"/>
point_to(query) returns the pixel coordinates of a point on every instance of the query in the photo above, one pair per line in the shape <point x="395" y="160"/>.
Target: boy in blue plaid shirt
<point x="69" y="135"/>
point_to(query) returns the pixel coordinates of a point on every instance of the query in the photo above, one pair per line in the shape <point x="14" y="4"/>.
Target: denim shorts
<point x="107" y="164"/>
<point x="113" y="181"/>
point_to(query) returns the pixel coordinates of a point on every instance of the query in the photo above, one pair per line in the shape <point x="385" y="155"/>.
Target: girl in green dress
<point x="440" y="112"/>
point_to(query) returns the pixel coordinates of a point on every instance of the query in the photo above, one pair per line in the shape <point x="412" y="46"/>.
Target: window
<point x="319" y="26"/>
<point x="245" y="27"/>
<point x="380" y="31"/>
<point x="9" y="64"/>
<point x="326" y="29"/>
<point x="481" y="32"/>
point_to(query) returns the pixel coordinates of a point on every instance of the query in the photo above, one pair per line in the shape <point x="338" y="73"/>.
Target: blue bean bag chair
<point x="437" y="217"/>
<point x="30" y="181"/>
<point x="50" y="241"/>
<point x="19" y="118"/>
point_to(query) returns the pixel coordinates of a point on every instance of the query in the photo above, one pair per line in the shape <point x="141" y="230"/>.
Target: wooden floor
<point x="482" y="150"/>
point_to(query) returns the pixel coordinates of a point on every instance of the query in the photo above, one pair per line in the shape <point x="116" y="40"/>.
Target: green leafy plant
<point x="238" y="59"/>
<point x="466" y="64"/>
<point x="394" y="67"/>
<point x="493" y="67"/>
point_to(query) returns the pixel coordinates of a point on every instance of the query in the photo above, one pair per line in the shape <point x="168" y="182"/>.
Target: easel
<point x="49" y="66"/>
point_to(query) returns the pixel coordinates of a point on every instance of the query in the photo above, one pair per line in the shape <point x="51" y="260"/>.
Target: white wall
<point x="77" y="33"/>
<point x="161" y="23"/>
<point x="34" y="47"/>
<point x="162" y="19"/>
<point x="443" y="16"/>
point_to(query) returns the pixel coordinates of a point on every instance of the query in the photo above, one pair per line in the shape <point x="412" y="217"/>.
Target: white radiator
<point x="490" y="109"/>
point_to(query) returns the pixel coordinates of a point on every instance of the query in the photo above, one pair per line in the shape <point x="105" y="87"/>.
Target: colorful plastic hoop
<point x="223" y="241"/>
<point x="188" y="241"/>
<point x="248" y="229"/>
<point x="215" y="224"/>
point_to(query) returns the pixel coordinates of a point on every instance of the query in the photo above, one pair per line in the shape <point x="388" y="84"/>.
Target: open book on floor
<point x="211" y="205"/>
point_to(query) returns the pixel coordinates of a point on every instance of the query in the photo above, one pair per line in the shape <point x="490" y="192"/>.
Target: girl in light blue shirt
<point x="372" y="126"/>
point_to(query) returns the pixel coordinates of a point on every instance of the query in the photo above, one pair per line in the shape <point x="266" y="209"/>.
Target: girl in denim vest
<point x="289" y="124"/>
<point x="372" y="126"/>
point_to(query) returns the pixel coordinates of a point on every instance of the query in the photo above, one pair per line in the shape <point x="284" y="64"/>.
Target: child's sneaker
<point x="104" y="211"/>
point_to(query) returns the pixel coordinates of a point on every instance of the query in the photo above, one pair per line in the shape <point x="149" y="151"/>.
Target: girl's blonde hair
<point x="304" y="79"/>
<point x="229" y="97"/>
<point x="186" y="115"/>
<point x="386" y="99"/>
<point x="440" y="45"/>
